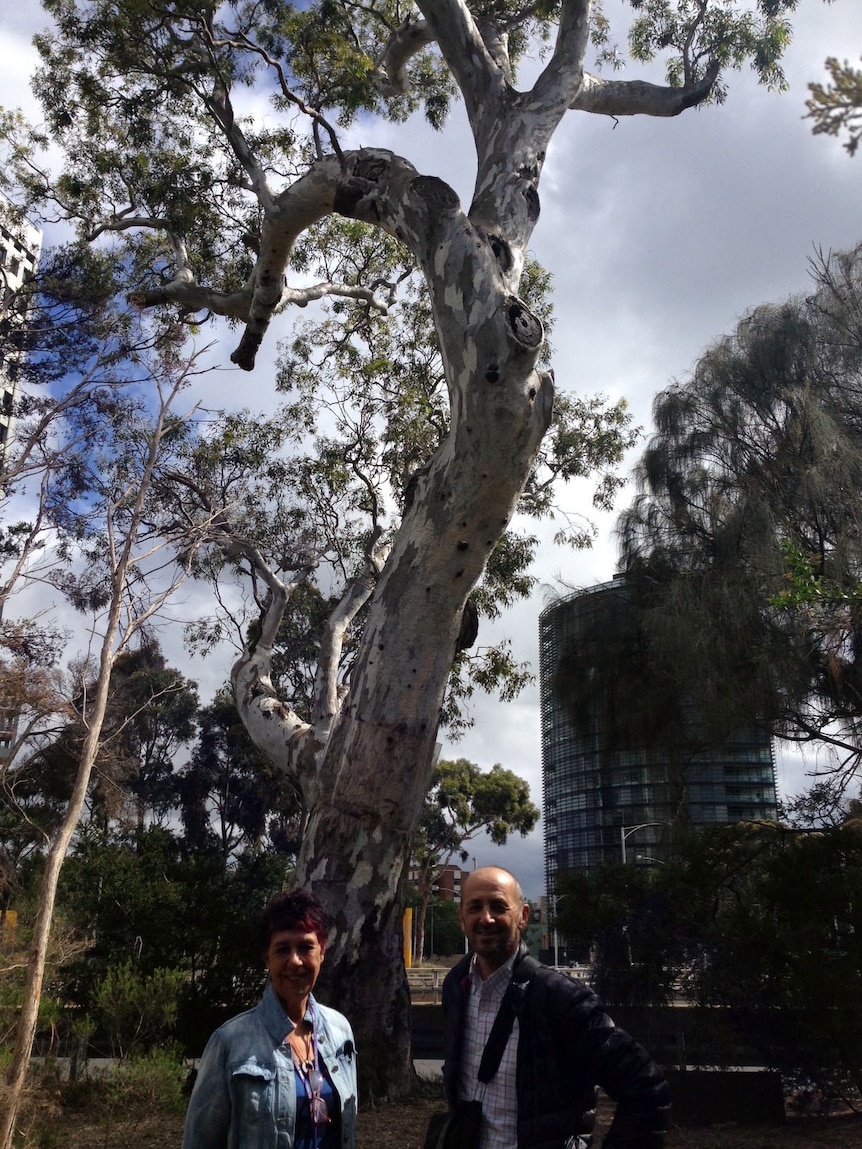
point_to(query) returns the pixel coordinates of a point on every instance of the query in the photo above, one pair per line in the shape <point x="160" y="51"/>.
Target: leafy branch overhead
<point x="836" y="107"/>
<point x="154" y="111"/>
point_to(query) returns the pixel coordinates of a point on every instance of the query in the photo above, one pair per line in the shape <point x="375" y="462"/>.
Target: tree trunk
<point x="16" y="1075"/>
<point x="378" y="762"/>
<point x="366" y="763"/>
<point x="421" y="918"/>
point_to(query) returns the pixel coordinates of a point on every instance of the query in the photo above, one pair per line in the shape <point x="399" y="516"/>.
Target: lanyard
<point x="312" y="1083"/>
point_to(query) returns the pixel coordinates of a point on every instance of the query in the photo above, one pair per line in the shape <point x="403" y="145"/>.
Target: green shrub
<point x="137" y="1009"/>
<point x="149" y="1083"/>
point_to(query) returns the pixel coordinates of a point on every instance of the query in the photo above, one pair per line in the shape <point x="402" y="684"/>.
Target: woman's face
<point x="293" y="959"/>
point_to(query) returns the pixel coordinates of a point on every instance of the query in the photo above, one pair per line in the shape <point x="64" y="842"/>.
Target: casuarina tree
<point x="743" y="547"/>
<point x="236" y="208"/>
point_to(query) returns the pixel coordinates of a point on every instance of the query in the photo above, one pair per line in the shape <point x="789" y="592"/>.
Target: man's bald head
<point x="493" y="914"/>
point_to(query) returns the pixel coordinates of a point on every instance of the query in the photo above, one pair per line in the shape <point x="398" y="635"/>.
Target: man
<point x="562" y="1045"/>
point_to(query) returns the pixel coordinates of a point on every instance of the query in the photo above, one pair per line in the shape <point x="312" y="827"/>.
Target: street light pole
<point x="555" y="898"/>
<point x="627" y="831"/>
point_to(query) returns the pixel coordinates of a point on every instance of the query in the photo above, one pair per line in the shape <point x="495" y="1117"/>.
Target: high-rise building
<point x="20" y="247"/>
<point x="625" y="762"/>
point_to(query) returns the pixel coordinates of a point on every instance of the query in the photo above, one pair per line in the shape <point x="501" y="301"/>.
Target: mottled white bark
<point x="638" y="98"/>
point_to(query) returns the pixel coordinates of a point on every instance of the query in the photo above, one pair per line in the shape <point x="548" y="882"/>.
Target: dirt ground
<point x="402" y="1126"/>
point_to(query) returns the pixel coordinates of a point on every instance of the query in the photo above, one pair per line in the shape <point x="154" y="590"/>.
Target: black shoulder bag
<point x="460" y="1128"/>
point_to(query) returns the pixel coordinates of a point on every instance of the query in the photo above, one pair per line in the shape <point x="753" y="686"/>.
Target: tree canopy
<point x="462" y="803"/>
<point x="836" y="107"/>
<point x="743" y="544"/>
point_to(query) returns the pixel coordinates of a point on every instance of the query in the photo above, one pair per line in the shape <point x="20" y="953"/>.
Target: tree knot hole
<point x="525" y="326"/>
<point x="437" y="194"/>
<point x="502" y="252"/>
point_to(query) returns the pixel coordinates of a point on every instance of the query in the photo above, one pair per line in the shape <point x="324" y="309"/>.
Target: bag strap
<point x="492" y="1054"/>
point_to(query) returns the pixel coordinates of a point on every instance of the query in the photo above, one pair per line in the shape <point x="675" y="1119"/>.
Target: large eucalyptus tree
<point x="152" y="105"/>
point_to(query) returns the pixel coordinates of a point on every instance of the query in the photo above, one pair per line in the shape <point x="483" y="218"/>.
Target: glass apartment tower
<point x="624" y="764"/>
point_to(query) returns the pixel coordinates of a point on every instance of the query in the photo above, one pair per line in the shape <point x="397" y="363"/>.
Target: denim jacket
<point x="244" y="1095"/>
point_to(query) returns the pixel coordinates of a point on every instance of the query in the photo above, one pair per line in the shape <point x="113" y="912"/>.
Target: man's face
<point x="492" y="916"/>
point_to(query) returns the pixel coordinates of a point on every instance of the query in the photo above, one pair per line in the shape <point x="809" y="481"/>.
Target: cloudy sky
<point x="659" y="234"/>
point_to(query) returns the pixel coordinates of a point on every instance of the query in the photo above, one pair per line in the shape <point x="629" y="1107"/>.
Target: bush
<point x="143" y="1085"/>
<point x="150" y="1083"/>
<point x="137" y="1009"/>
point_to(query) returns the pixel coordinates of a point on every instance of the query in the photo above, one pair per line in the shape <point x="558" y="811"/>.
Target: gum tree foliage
<point x="231" y="797"/>
<point x="836" y="107"/>
<point x="744" y="544"/>
<point x="130" y="895"/>
<point x="462" y="803"/>
<point x="149" y="718"/>
<point x="415" y="476"/>
<point x="80" y="474"/>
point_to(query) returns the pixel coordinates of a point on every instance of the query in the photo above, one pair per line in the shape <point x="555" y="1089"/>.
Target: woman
<point x="284" y="1073"/>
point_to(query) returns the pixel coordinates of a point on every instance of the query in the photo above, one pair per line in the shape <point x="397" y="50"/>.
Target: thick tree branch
<point x="560" y="81"/>
<point x="483" y="84"/>
<point x="390" y="68"/>
<point x="638" y="98"/>
<point x="328" y="186"/>
<point x="327" y="695"/>
<point x="372" y="185"/>
<point x="221" y="109"/>
<point x="273" y="726"/>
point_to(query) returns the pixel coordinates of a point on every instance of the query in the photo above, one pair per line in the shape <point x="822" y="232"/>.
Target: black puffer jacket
<point x="567" y="1046"/>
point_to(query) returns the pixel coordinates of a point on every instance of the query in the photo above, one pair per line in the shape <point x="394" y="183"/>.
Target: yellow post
<point x="407" y="931"/>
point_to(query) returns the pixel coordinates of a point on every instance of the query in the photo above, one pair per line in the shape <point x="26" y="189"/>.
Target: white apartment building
<point x="20" y="247"/>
